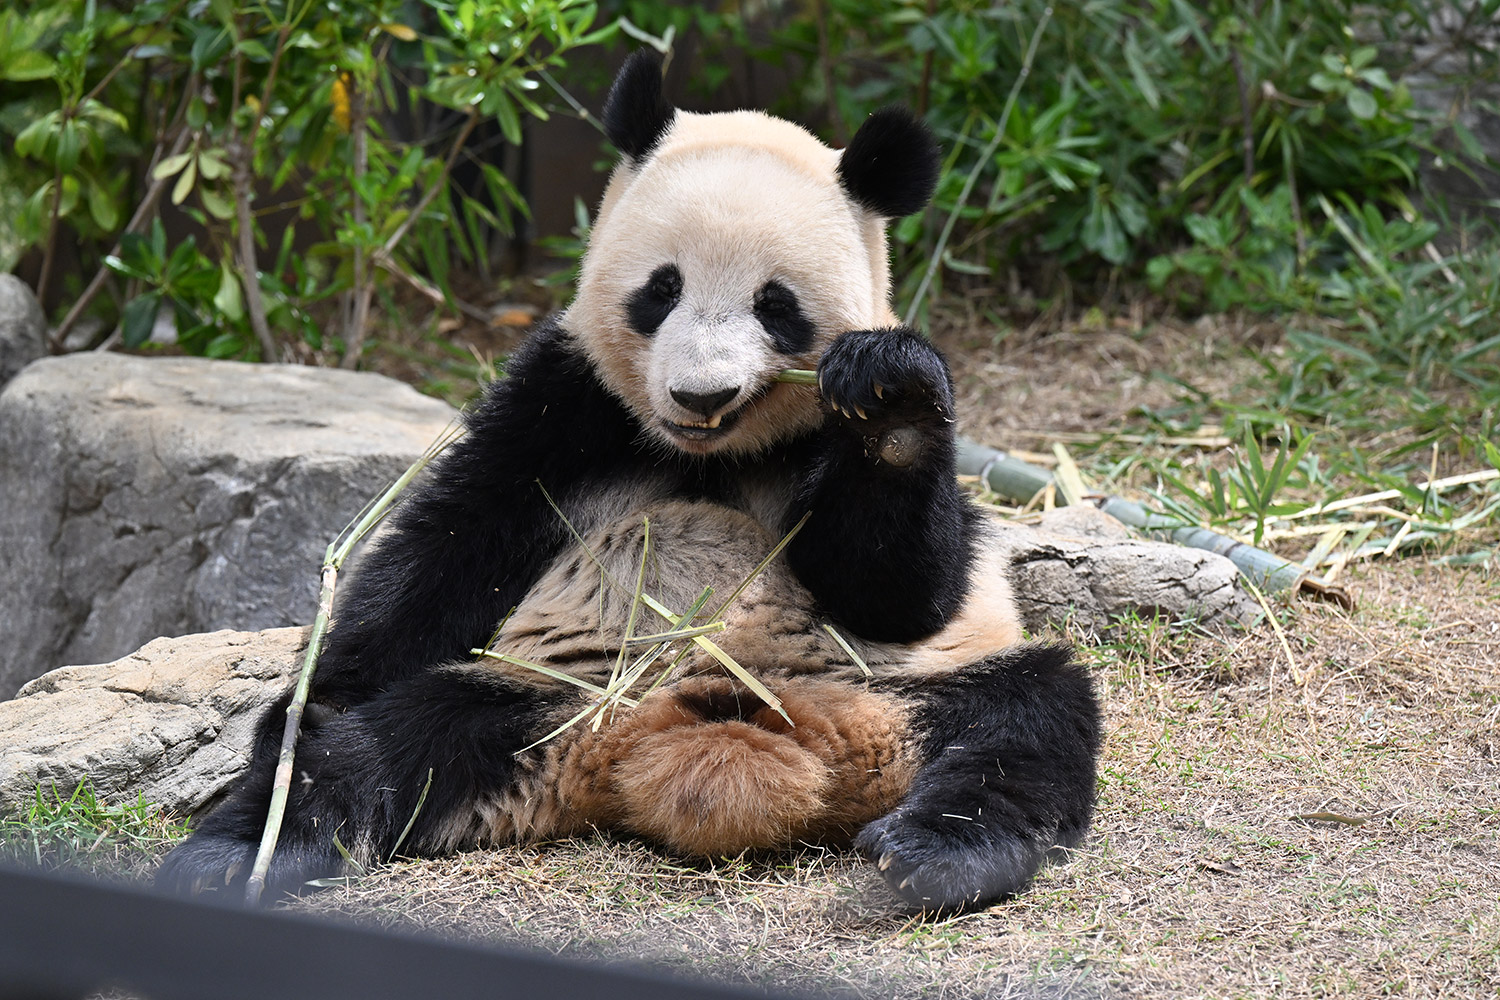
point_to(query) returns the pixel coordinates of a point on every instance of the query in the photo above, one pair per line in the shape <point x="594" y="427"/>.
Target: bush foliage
<point x="1234" y="154"/>
<point x="341" y="119"/>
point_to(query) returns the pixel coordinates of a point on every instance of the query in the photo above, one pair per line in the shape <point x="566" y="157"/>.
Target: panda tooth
<point x="714" y="422"/>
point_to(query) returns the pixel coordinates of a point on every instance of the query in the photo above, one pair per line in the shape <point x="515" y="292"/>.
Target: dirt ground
<point x="1319" y="819"/>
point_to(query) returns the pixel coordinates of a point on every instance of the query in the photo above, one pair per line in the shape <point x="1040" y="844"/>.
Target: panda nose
<point x="706" y="403"/>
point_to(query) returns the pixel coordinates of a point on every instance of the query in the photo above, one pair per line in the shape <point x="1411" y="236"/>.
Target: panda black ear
<point x="891" y="165"/>
<point x="636" y="114"/>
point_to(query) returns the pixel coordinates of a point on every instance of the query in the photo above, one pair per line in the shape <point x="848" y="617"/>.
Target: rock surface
<point x="1085" y="568"/>
<point x="142" y="497"/>
<point x="23" y="327"/>
<point x="172" y="721"/>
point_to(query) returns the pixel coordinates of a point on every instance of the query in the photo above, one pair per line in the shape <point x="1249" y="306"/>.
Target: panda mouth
<point x="715" y="427"/>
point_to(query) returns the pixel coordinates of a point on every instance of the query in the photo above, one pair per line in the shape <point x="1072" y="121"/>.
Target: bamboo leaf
<point x="859" y="661"/>
<point x="547" y="671"/>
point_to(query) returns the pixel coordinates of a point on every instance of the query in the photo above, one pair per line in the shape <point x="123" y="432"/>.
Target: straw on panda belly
<point x="702" y="765"/>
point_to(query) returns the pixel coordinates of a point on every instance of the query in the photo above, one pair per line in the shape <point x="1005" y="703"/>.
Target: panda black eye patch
<point x="778" y="311"/>
<point x="650" y="305"/>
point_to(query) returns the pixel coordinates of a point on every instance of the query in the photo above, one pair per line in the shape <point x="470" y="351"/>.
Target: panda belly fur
<point x="702" y="766"/>
<point x="728" y="248"/>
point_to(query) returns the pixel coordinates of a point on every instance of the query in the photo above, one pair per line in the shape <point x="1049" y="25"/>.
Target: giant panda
<point x="646" y="418"/>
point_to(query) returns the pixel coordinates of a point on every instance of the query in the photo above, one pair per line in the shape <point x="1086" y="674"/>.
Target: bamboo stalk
<point x="333" y="560"/>
<point x="283" y="782"/>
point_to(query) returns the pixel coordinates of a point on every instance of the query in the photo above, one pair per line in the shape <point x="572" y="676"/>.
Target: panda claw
<point x="879" y="390"/>
<point x="886" y="860"/>
<point x="861" y="411"/>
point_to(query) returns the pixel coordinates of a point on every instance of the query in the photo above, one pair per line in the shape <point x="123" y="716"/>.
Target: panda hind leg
<point x="358" y="778"/>
<point x="1008" y="776"/>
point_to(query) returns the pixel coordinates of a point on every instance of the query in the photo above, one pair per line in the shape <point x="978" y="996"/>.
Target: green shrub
<point x="241" y="113"/>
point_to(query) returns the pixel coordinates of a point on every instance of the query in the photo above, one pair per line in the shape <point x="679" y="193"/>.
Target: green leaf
<point x="102" y="114"/>
<point x="1361" y="104"/>
<point x="185" y="183"/>
<point x="119" y="266"/>
<point x="209" y="46"/>
<point x="34" y="138"/>
<point x="102" y="207"/>
<point x="228" y="300"/>
<point x="27" y="65"/>
<point x="1139" y="73"/>
<point x="225" y="345"/>
<point x="138" y="317"/>
<point x="255" y="50"/>
<point x="510" y="122"/>
<point x="1492" y="453"/>
<point x="1158" y="271"/>
<point x="216" y="204"/>
<point x="69" y="146"/>
<point x="1102" y="233"/>
<point x="171" y="165"/>
<point x="1326" y="82"/>
<point x="1206" y="230"/>
<point x="212" y="166"/>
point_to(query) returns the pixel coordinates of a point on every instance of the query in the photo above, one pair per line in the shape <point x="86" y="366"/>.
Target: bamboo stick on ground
<point x="1021" y="481"/>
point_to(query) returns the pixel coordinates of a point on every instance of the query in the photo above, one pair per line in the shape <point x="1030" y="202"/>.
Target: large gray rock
<point x="145" y="497"/>
<point x="23" y="327"/>
<point x="173" y="721"/>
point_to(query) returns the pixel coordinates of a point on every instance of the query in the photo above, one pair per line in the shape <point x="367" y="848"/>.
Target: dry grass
<point x="1254" y="838"/>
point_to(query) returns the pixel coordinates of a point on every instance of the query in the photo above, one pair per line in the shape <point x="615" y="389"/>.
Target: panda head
<point x="732" y="246"/>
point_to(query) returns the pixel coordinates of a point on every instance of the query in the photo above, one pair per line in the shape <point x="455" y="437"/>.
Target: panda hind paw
<point x="207" y="863"/>
<point x="220" y="864"/>
<point x="943" y="870"/>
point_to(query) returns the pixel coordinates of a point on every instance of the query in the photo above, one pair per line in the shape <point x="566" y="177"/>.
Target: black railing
<point x="63" y="937"/>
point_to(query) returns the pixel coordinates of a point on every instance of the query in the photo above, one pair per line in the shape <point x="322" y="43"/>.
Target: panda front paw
<point x="945" y="863"/>
<point x="890" y="387"/>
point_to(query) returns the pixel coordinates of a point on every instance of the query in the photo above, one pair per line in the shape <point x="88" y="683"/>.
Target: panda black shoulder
<point x="552" y="406"/>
